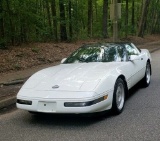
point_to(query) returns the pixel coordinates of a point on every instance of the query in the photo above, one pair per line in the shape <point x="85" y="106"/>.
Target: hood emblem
<point x="55" y="87"/>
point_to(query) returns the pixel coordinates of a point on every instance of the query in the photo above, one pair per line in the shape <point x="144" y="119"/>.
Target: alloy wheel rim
<point x="120" y="96"/>
<point x="148" y="75"/>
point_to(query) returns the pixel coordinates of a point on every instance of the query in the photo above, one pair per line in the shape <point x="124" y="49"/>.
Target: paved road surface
<point x="140" y="120"/>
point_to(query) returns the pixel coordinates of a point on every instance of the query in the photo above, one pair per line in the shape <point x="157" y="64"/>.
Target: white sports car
<point x="94" y="78"/>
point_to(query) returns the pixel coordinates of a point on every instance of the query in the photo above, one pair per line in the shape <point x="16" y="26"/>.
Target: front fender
<point x="107" y="84"/>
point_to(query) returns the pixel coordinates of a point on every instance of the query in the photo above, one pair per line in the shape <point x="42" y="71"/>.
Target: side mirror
<point x="133" y="57"/>
<point x="64" y="59"/>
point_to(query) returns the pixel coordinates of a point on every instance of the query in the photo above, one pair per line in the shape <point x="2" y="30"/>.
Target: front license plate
<point x="46" y="106"/>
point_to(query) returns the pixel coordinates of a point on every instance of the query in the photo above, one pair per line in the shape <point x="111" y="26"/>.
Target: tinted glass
<point x="107" y="53"/>
<point x="86" y="54"/>
<point x="121" y="53"/>
<point x="131" y="50"/>
<point x="110" y="54"/>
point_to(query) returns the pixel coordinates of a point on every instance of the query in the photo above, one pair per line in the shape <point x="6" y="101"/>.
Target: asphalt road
<point x="140" y="120"/>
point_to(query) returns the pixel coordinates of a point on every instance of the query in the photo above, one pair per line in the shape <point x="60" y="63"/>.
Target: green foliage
<point x="33" y="20"/>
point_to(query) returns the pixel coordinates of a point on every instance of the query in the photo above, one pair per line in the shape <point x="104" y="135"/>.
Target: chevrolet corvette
<point x="94" y="78"/>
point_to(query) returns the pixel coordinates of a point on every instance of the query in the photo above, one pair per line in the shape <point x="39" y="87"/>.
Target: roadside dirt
<point x="29" y="55"/>
<point x="9" y="91"/>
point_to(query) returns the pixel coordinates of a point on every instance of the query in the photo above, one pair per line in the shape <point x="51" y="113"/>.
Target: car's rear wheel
<point x="118" y="96"/>
<point x="147" y="78"/>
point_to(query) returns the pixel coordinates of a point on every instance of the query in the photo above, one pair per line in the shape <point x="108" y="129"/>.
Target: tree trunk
<point x="126" y="20"/>
<point x="11" y="24"/>
<point x="63" y="31"/>
<point x="2" y="44"/>
<point x="105" y="19"/>
<point x="153" y="28"/>
<point x="23" y="26"/>
<point x="96" y="10"/>
<point x="54" y="15"/>
<point x="142" y="23"/>
<point x="133" y="16"/>
<point x="90" y="18"/>
<point x="154" y="15"/>
<point x="70" y="19"/>
<point x="49" y="16"/>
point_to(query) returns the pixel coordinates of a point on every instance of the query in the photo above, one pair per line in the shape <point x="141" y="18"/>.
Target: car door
<point x="136" y="67"/>
<point x="126" y="66"/>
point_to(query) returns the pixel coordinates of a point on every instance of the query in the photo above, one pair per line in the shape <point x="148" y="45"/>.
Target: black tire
<point x="33" y="113"/>
<point x="147" y="78"/>
<point x="118" y="96"/>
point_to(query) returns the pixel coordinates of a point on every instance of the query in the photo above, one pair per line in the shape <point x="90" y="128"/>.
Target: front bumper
<point x="58" y="105"/>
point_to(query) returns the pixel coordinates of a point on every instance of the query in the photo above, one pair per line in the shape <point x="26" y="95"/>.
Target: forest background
<point x="35" y="31"/>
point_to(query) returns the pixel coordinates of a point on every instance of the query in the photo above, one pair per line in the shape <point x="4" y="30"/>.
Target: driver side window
<point x="122" y="53"/>
<point x="131" y="50"/>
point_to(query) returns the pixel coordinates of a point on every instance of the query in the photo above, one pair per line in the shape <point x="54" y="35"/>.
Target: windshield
<point x="96" y="54"/>
<point x="86" y="54"/>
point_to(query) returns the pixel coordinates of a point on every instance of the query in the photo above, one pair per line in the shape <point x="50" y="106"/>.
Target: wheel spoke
<point x="148" y="75"/>
<point x="120" y="96"/>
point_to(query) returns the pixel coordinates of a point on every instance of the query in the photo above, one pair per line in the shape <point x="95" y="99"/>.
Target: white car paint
<point x="79" y="82"/>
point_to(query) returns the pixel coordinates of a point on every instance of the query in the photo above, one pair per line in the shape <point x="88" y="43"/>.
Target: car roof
<point x="106" y="44"/>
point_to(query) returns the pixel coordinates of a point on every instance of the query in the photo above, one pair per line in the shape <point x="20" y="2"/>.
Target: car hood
<point x="70" y="77"/>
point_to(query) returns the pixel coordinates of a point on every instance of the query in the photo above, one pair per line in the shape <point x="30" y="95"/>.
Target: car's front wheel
<point x="118" y="96"/>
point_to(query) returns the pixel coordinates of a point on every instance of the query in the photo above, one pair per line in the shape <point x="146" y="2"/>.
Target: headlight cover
<point x="84" y="104"/>
<point x="25" y="102"/>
